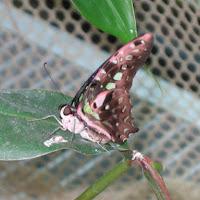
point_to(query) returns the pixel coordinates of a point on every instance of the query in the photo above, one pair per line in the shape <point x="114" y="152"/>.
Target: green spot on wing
<point x="110" y="86"/>
<point x="95" y="115"/>
<point x="80" y="98"/>
<point x="107" y="107"/>
<point x="87" y="108"/>
<point x="98" y="78"/>
<point x="117" y="76"/>
<point x="103" y="71"/>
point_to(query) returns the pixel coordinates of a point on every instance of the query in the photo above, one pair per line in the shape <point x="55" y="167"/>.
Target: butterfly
<point x="101" y="109"/>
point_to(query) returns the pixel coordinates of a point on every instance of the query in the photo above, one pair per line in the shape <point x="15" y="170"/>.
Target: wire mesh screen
<point x="34" y="32"/>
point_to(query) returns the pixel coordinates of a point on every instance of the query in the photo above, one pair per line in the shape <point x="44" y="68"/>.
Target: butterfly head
<point x="69" y="119"/>
<point x="65" y="110"/>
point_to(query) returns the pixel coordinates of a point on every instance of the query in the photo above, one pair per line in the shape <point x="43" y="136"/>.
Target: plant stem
<point x="105" y="180"/>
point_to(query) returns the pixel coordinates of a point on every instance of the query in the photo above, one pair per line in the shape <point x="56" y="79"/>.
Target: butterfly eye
<point x="67" y="111"/>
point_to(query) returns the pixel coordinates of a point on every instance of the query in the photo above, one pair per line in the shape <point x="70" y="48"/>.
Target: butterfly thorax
<point x="72" y="122"/>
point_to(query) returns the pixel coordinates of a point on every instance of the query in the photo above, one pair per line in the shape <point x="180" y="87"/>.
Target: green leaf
<point x="115" y="17"/>
<point x="152" y="171"/>
<point x="153" y="77"/>
<point x="198" y="2"/>
<point x="21" y="139"/>
<point x="158" y="167"/>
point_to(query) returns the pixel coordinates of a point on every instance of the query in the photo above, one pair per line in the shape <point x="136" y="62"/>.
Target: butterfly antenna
<point x="53" y="80"/>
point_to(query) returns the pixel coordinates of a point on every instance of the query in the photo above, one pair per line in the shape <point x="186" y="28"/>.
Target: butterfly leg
<point x="72" y="137"/>
<point x="54" y="131"/>
<point x="47" y="117"/>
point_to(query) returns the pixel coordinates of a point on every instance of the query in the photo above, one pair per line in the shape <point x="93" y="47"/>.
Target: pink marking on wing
<point x="99" y="100"/>
<point x="100" y="71"/>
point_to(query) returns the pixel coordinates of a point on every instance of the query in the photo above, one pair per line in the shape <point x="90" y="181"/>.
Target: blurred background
<point x="33" y="32"/>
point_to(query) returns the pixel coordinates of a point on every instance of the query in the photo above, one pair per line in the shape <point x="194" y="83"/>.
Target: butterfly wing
<point x="105" y="103"/>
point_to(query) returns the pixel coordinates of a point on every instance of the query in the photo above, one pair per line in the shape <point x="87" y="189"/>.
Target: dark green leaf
<point x="22" y="139"/>
<point x="115" y="17"/>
